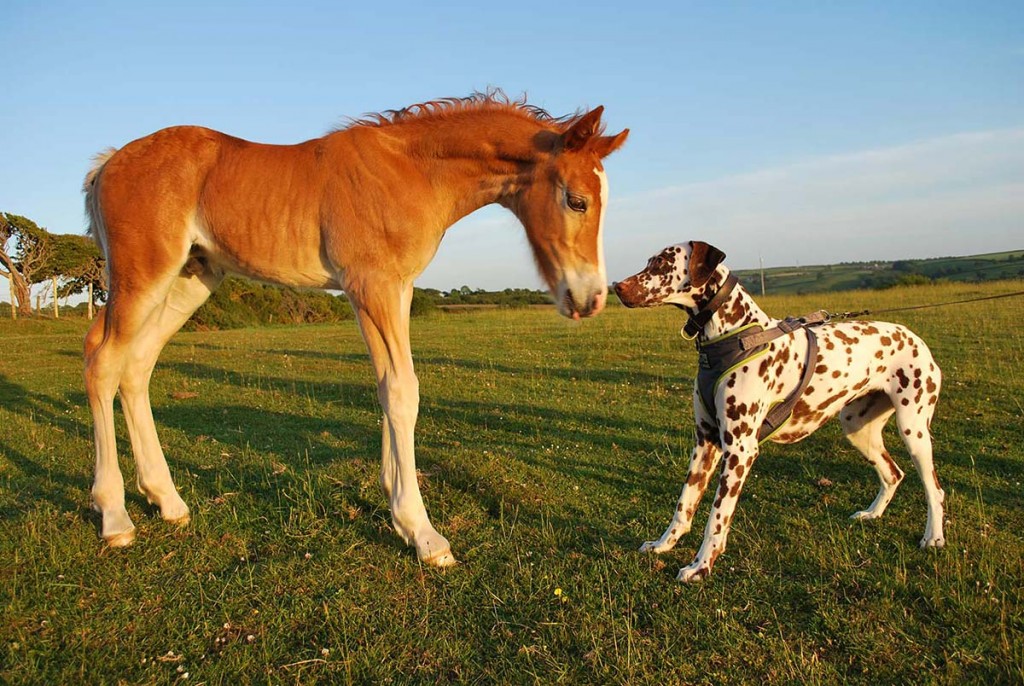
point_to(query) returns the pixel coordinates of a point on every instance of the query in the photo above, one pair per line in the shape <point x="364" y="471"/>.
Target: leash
<point x="829" y="316"/>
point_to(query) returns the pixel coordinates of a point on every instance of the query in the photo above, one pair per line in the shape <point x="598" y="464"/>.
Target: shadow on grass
<point x="31" y="485"/>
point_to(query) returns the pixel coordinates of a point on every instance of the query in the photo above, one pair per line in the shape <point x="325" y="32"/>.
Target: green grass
<point x="549" y="451"/>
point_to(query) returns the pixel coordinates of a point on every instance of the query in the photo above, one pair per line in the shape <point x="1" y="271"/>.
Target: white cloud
<point x="954" y="195"/>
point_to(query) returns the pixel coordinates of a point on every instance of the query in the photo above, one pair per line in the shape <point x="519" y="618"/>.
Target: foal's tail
<point x="92" y="207"/>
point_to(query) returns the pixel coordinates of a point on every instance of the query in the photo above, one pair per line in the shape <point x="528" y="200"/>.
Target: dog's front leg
<point x="703" y="459"/>
<point x="738" y="459"/>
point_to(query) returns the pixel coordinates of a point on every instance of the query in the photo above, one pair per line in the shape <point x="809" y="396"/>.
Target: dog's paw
<point x="933" y="542"/>
<point x="659" y="546"/>
<point x="693" y="573"/>
<point x="866" y="514"/>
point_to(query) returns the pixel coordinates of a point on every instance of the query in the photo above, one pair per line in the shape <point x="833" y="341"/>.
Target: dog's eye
<point x="576" y="203"/>
<point x="657" y="262"/>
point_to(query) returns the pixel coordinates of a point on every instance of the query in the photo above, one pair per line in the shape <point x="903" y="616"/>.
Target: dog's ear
<point x="704" y="259"/>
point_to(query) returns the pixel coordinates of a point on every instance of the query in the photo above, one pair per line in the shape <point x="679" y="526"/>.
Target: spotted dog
<point x="863" y="371"/>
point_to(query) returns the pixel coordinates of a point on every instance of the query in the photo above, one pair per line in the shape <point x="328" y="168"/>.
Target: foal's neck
<point x="478" y="158"/>
<point x="737" y="311"/>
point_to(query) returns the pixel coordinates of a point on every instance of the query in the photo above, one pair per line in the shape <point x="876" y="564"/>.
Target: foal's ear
<point x="583" y="130"/>
<point x="704" y="259"/>
<point x="606" y="145"/>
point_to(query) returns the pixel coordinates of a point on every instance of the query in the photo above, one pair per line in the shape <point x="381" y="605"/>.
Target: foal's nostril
<point x="568" y="302"/>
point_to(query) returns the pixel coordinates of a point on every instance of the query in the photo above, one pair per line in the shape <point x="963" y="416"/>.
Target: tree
<point x="78" y="260"/>
<point x="25" y="249"/>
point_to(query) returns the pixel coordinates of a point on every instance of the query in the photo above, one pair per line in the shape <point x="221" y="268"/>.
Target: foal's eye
<point x="576" y="203"/>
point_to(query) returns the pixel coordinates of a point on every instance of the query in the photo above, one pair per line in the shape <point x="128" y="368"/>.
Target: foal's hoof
<point x="181" y="521"/>
<point x="442" y="559"/>
<point x="120" y="540"/>
<point x="433" y="549"/>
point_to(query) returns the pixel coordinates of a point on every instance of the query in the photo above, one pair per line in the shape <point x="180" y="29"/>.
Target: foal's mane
<point x="492" y="100"/>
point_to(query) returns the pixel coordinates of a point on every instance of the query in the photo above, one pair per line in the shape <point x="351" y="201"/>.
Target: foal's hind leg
<point x="863" y="421"/>
<point x="153" y="477"/>
<point x="103" y="365"/>
<point x="108" y="352"/>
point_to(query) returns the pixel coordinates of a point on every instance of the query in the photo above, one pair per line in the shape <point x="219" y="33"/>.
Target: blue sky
<point x="798" y="132"/>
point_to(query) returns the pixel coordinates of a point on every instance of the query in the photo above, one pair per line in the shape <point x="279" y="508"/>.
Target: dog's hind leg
<point x="914" y="410"/>
<point x="863" y="421"/>
<point x="702" y="465"/>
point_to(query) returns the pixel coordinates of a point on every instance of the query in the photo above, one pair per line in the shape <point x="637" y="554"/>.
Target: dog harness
<point x="720" y="356"/>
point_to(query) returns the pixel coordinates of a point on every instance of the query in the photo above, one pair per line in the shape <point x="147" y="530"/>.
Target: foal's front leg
<point x="738" y="458"/>
<point x="703" y="459"/>
<point x="383" y="314"/>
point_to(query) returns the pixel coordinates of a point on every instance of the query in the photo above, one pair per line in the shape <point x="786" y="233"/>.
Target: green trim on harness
<point x="724" y="354"/>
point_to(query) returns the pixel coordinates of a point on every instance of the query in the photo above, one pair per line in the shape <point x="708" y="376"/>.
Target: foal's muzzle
<point x="575" y="305"/>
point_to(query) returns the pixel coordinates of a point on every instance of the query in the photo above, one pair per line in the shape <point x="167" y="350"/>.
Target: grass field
<point x="852" y="275"/>
<point x="549" y="451"/>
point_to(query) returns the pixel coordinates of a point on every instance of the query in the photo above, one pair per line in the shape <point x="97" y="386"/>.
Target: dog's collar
<point x="699" y="320"/>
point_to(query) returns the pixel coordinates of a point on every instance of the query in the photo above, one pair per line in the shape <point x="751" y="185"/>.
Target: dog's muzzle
<point x="630" y="293"/>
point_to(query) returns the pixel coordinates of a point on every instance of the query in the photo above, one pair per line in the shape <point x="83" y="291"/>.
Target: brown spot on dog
<point x="846" y="339"/>
<point x="831" y="399"/>
<point x="894" y="469"/>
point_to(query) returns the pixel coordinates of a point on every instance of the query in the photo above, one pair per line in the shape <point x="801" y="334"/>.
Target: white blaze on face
<point x="603" y="178"/>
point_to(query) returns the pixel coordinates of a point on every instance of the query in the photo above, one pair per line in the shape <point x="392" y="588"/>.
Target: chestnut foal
<point x="361" y="209"/>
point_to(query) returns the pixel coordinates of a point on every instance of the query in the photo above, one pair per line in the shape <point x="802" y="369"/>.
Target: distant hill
<point x="853" y="275"/>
